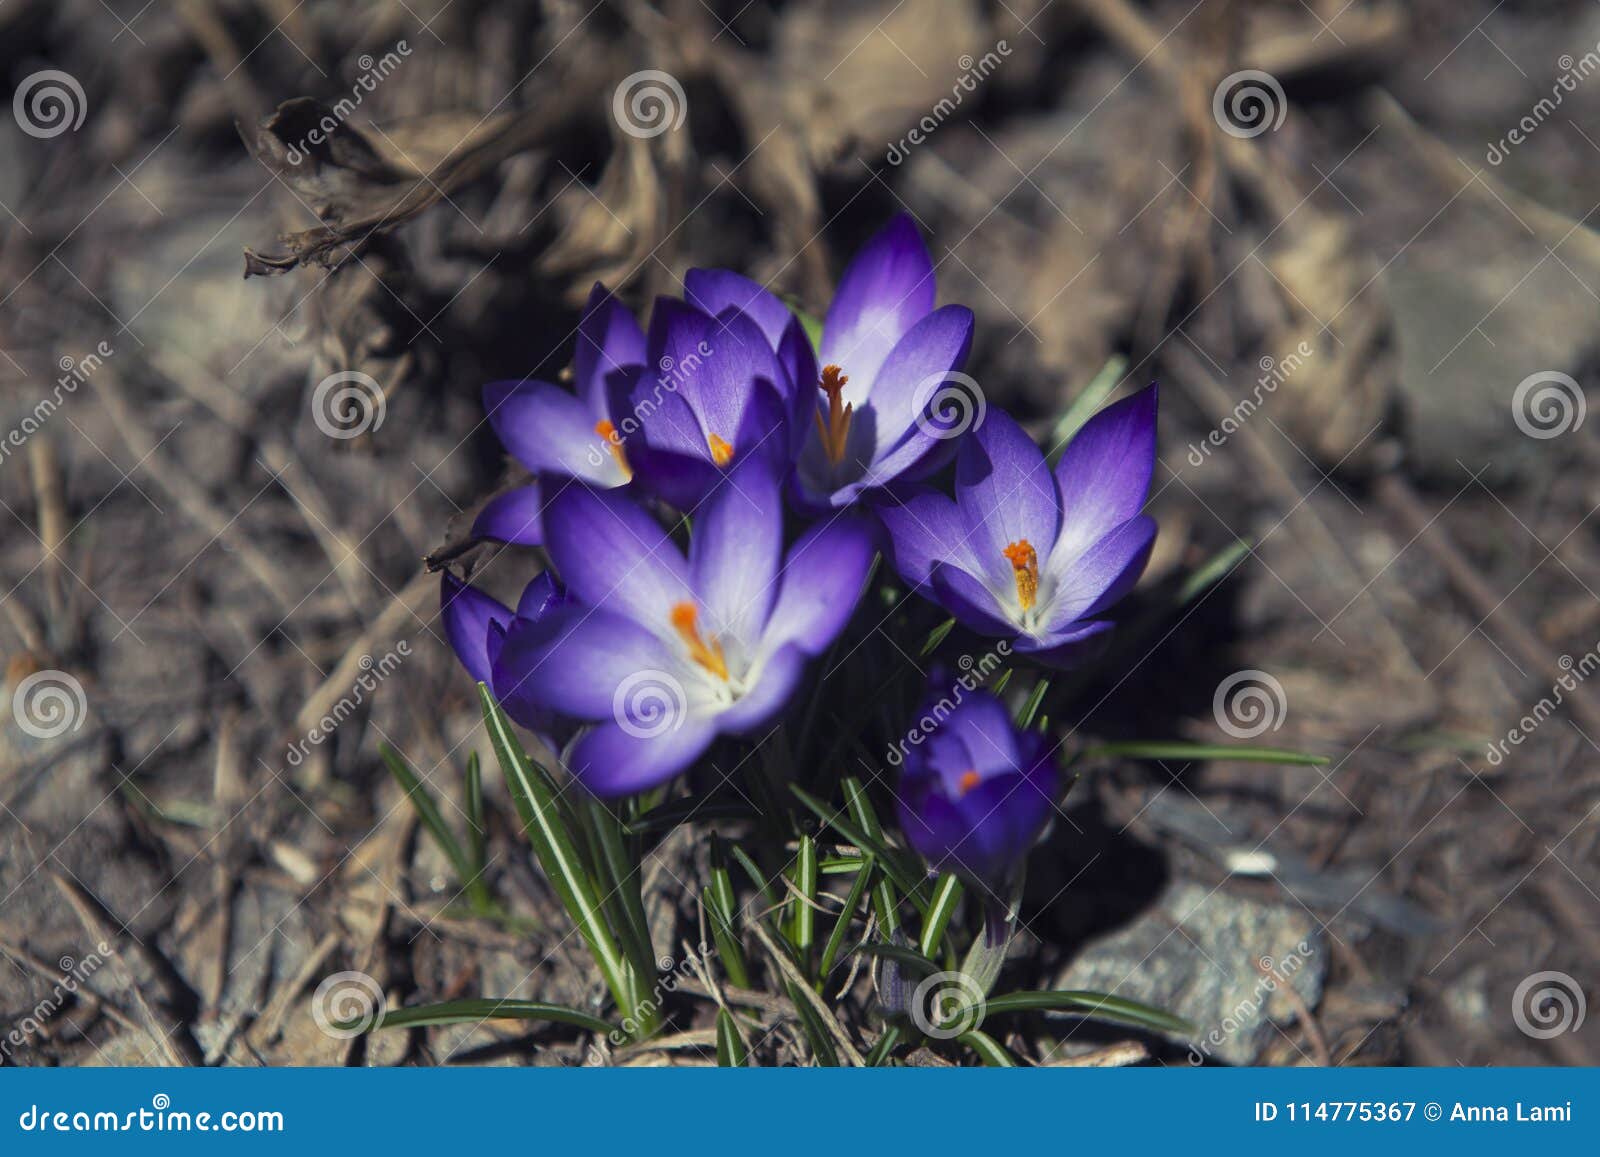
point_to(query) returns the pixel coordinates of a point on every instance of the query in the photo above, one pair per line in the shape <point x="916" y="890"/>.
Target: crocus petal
<point x="1067" y="649"/>
<point x="512" y="517"/>
<point x="610" y="343"/>
<point x="884" y="291"/>
<point x="1103" y="574"/>
<point x="584" y="662"/>
<point x="985" y="728"/>
<point x="717" y="290"/>
<point x="613" y="761"/>
<point x="550" y="431"/>
<point x="1104" y="475"/>
<point x="969" y="600"/>
<point x="541" y="596"/>
<point x="1003" y="817"/>
<point x="1006" y="494"/>
<point x="924" y="529"/>
<point x="822" y="578"/>
<point x="775" y="683"/>
<point x="467" y="613"/>
<point x="612" y="554"/>
<point x="713" y="363"/>
<point x="917" y="381"/>
<point x="735" y="552"/>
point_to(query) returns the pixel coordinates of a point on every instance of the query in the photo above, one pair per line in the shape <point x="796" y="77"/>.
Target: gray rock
<point x="1217" y="959"/>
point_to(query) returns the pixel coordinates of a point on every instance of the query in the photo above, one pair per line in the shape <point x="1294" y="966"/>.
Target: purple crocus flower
<point x="664" y="652"/>
<point x="477" y="624"/>
<point x="977" y="792"/>
<point x="886" y="355"/>
<point x="1027" y="553"/>
<point x="560" y="434"/>
<point x="715" y="398"/>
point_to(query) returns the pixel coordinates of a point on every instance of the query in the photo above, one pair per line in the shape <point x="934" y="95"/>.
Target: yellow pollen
<point x="1024" y="562"/>
<point x="721" y="451"/>
<point x="609" y="432"/>
<point x="835" y="429"/>
<point x="708" y="653"/>
<point x="969" y="780"/>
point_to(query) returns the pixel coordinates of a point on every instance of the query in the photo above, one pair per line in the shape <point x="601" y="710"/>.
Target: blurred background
<point x="257" y="259"/>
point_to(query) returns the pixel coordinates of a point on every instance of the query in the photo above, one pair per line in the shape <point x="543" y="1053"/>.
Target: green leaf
<point x="686" y="810"/>
<point x="834" y="818"/>
<point x="731" y="1053"/>
<point x="841" y="926"/>
<point x="946" y="895"/>
<point x="722" y="908"/>
<point x="935" y="637"/>
<point x="1083" y="407"/>
<point x="1030" y="709"/>
<point x="885" y="900"/>
<point x="619" y="881"/>
<point x="1093" y="1005"/>
<point x="1174" y="749"/>
<point x="884" y="1045"/>
<point x="816" y="1032"/>
<point x="428" y="810"/>
<point x="473" y="1011"/>
<point x="803" y="920"/>
<point x="900" y="954"/>
<point x="989" y="1050"/>
<point x="477" y="819"/>
<point x="546" y="829"/>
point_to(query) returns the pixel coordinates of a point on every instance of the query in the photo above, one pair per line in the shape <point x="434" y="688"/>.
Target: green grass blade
<point x="473" y="1011"/>
<point x="681" y="811"/>
<point x="834" y="818"/>
<point x="1093" y="1005"/>
<point x="546" y="830"/>
<point x="816" y="1033"/>
<point x="1083" y="407"/>
<point x="620" y="881"/>
<point x="989" y="1050"/>
<point x="884" y="1046"/>
<point x="1030" y="709"/>
<point x="1164" y="749"/>
<point x="900" y="954"/>
<point x="946" y="895"/>
<point x="803" y="921"/>
<point x="841" y="926"/>
<point x="935" y="637"/>
<point x="731" y="1053"/>
<point x="422" y="799"/>
<point x="722" y="910"/>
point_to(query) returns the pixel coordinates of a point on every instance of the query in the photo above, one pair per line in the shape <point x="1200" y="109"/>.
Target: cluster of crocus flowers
<point x="711" y="496"/>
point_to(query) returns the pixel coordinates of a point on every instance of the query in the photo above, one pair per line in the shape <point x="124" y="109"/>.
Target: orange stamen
<point x="708" y="653"/>
<point x="721" y="451"/>
<point x="1024" y="562"/>
<point x="835" y="429"/>
<point x="969" y="780"/>
<point x="608" y="431"/>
